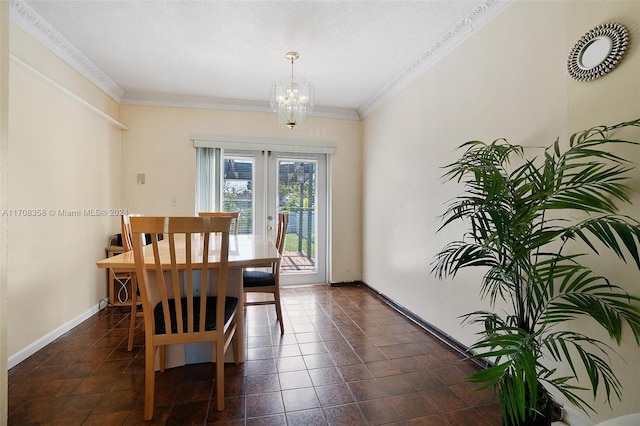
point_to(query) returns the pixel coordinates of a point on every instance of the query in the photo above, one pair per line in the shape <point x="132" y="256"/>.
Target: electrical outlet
<point x="174" y="201"/>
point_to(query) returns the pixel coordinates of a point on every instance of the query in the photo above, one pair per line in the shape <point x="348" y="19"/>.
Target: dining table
<point x="245" y="251"/>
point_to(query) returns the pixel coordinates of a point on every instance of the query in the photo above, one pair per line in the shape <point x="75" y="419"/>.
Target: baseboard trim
<point x="425" y="325"/>
<point x="347" y="283"/>
<point x="45" y="340"/>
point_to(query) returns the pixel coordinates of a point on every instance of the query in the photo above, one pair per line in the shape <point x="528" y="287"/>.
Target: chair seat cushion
<point x="210" y="321"/>
<point x="258" y="279"/>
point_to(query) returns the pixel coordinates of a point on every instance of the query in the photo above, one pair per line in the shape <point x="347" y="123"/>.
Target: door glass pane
<point x="297" y="197"/>
<point x="237" y="190"/>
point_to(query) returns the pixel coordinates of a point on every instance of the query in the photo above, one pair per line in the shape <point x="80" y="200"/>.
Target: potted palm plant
<point x="534" y="256"/>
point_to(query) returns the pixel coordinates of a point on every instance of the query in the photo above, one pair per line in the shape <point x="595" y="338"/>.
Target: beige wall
<point x="158" y="144"/>
<point x="62" y="155"/>
<point x="508" y="80"/>
<point x="612" y="99"/>
<point x="4" y="124"/>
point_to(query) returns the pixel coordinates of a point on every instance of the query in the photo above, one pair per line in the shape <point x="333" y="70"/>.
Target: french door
<point x="261" y="184"/>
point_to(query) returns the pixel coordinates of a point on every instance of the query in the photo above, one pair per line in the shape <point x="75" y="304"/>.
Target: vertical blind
<point x="206" y="181"/>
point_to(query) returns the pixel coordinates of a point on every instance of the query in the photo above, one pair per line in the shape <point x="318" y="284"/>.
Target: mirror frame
<point x="618" y="37"/>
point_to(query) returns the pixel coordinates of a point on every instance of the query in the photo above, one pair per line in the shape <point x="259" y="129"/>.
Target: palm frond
<point x="566" y="346"/>
<point x="610" y="230"/>
<point x="458" y="255"/>
<point x="564" y="384"/>
<point x="514" y="234"/>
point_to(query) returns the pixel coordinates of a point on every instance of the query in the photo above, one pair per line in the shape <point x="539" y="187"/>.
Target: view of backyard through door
<point x="262" y="184"/>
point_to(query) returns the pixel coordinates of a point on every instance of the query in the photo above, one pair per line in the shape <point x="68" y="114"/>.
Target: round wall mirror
<point x="597" y="52"/>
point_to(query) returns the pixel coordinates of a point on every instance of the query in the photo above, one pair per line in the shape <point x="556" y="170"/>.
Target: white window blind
<point x="207" y="182"/>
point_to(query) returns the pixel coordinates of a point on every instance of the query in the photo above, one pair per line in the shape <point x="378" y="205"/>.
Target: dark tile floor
<point x="346" y="359"/>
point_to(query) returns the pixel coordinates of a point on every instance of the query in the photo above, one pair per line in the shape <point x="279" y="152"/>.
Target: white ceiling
<point x="225" y="54"/>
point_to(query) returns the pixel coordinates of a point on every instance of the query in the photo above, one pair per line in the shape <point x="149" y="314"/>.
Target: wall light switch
<point x="141" y="178"/>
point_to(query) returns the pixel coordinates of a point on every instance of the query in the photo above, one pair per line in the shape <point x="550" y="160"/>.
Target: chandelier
<point x="291" y="98"/>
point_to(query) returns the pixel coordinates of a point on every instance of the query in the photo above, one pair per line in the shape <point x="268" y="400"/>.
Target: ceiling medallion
<point x="597" y="52"/>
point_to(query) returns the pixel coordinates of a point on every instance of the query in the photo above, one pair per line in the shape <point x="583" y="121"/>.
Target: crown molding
<point x="465" y="28"/>
<point x="339" y="113"/>
<point x="67" y="92"/>
<point x="33" y="24"/>
<point x="192" y="101"/>
<point x="207" y="102"/>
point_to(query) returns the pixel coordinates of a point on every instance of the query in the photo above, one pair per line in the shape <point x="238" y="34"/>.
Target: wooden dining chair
<point x="178" y="310"/>
<point x="136" y="308"/>
<point x="261" y="281"/>
<point x="232" y="215"/>
<point x="123" y="278"/>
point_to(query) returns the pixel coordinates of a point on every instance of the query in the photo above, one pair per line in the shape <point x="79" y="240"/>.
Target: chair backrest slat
<point x="127" y="236"/>
<point x="283" y="222"/>
<point x="127" y="244"/>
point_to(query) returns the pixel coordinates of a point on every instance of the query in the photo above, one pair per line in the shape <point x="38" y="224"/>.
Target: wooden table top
<point x="244" y="251"/>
